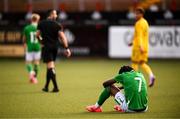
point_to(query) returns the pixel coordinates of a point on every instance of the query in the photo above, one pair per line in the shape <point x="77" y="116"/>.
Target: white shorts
<point x="31" y="56"/>
<point x="121" y="100"/>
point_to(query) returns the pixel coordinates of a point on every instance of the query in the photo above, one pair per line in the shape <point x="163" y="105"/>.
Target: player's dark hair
<point x="125" y="69"/>
<point x="140" y="10"/>
<point x="49" y="12"/>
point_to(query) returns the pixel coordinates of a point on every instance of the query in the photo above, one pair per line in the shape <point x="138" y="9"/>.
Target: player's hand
<point x="42" y="45"/>
<point x="130" y="44"/>
<point x="24" y="45"/>
<point x="141" y="49"/>
<point x="67" y="52"/>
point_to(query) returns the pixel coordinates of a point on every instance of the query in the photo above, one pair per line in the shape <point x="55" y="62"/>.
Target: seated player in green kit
<point x="132" y="99"/>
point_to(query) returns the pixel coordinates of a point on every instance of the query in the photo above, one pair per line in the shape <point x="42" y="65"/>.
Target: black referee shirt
<point x="49" y="32"/>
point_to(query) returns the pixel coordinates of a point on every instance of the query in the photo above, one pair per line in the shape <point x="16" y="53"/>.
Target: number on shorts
<point x="140" y="83"/>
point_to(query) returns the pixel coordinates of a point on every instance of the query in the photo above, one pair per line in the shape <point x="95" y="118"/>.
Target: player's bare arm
<point x="38" y="35"/>
<point x="113" y="89"/>
<point x="109" y="83"/>
<point x="130" y="44"/>
<point x="65" y="43"/>
<point x="141" y="49"/>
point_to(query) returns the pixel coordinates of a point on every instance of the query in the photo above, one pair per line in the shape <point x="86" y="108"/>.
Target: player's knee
<point x="108" y="89"/>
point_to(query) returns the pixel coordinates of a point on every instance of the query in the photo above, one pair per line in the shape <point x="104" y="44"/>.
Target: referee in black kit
<point x="51" y="32"/>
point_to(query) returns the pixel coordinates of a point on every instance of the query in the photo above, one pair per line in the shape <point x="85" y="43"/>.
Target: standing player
<point x="134" y="98"/>
<point x="51" y="32"/>
<point x="140" y="45"/>
<point x="32" y="48"/>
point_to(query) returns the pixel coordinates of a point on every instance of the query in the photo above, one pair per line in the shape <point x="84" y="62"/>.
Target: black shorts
<point x="49" y="54"/>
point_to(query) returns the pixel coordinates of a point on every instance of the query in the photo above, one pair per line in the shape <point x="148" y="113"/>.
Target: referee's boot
<point x="45" y="89"/>
<point x="55" y="90"/>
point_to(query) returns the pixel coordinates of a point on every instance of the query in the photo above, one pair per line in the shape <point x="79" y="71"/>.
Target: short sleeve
<point x="119" y="78"/>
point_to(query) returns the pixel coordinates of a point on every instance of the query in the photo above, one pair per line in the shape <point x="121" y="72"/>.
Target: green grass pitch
<point x="80" y="82"/>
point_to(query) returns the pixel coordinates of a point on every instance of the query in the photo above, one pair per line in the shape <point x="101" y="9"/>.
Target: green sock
<point x="36" y="68"/>
<point x="104" y="95"/>
<point x="29" y="67"/>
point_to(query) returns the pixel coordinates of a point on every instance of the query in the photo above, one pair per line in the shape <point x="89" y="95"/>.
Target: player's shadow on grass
<point x="109" y="113"/>
<point x="105" y="112"/>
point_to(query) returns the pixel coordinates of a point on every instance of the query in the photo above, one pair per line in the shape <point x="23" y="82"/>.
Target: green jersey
<point x="135" y="89"/>
<point x="31" y="40"/>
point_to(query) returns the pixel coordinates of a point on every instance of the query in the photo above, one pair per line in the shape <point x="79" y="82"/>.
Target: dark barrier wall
<point x="83" y="41"/>
<point x="88" y="40"/>
<point x="87" y="36"/>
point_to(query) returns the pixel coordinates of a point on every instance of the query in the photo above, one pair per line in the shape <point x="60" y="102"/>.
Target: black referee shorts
<point x="49" y="54"/>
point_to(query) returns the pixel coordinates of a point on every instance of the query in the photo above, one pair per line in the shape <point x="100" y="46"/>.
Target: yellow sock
<point x="135" y="66"/>
<point x="147" y="69"/>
